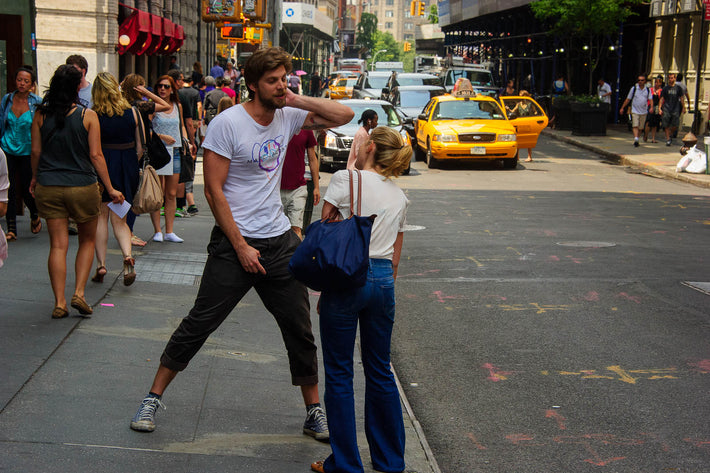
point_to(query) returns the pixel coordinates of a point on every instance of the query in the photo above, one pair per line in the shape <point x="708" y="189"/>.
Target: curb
<point x="628" y="161"/>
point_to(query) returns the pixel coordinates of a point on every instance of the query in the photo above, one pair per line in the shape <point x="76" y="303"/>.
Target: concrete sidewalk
<point x="656" y="159"/>
<point x="70" y="387"/>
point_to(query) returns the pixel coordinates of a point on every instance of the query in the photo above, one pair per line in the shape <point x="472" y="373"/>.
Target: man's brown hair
<point x="263" y="61"/>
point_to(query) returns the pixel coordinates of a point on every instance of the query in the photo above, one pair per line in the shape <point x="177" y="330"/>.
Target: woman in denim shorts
<point x="66" y="159"/>
<point x="384" y="155"/>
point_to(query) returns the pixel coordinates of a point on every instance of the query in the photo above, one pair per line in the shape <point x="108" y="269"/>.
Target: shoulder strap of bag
<point x="141" y="132"/>
<point x="359" y="192"/>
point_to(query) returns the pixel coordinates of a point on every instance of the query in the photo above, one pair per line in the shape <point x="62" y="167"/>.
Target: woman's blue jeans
<point x="373" y="307"/>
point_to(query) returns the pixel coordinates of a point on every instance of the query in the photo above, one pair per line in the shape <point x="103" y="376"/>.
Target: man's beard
<point x="272" y="104"/>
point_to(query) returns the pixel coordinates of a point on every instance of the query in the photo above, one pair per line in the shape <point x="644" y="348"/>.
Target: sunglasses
<point x="163" y="86"/>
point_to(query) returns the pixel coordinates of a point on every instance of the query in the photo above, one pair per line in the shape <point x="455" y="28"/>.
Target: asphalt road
<point x="545" y="319"/>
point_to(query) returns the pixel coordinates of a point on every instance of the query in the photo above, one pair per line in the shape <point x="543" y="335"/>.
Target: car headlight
<point x="446" y="138"/>
<point x="405" y="137"/>
<point x="331" y="141"/>
<point x="506" y="137"/>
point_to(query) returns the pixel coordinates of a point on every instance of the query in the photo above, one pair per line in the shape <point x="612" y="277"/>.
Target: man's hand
<point x="249" y="258"/>
<point x="116" y="196"/>
<point x="316" y="196"/>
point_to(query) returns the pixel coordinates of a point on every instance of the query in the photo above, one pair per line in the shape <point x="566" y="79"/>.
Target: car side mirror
<point x="422" y="116"/>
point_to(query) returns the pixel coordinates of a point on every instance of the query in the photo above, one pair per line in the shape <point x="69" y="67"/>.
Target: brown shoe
<point x="59" y="313"/>
<point x="317" y="467"/>
<point x="129" y="271"/>
<point x="80" y="304"/>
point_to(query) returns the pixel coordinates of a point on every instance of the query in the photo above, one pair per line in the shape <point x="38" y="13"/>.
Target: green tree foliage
<point x="589" y="22"/>
<point x="366" y="30"/>
<point x="433" y="14"/>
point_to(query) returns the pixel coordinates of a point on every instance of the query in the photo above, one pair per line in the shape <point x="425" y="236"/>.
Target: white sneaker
<point x="173" y="238"/>
<point x="158" y="236"/>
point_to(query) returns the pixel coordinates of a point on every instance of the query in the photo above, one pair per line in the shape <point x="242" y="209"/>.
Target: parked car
<point x="410" y="100"/>
<point x="370" y="84"/>
<point x="481" y="79"/>
<point x="465" y="126"/>
<point x="334" y="143"/>
<point x="398" y="79"/>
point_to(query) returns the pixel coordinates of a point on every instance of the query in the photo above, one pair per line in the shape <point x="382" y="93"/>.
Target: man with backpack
<point x="671" y="108"/>
<point x="211" y="103"/>
<point x="639" y="96"/>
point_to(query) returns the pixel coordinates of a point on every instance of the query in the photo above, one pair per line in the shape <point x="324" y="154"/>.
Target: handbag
<point x="187" y="163"/>
<point x="149" y="196"/>
<point x="154" y="149"/>
<point x="335" y="255"/>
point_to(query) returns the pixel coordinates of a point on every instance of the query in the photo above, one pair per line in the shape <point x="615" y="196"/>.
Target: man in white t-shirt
<point x="252" y="242"/>
<point x="639" y="97"/>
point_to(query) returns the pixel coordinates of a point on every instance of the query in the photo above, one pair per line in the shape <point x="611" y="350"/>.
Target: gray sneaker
<point x="316" y="424"/>
<point x="144" y="420"/>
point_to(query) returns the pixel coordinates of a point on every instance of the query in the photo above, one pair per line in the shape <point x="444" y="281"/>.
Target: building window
<point x="408" y="26"/>
<point x="389" y="2"/>
<point x="377" y="2"/>
<point x="389" y="13"/>
<point x="409" y="37"/>
<point x="388" y="25"/>
<point x="407" y="14"/>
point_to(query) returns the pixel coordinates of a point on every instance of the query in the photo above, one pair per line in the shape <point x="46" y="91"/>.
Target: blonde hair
<point x="106" y="96"/>
<point x="524" y="93"/>
<point x="392" y="153"/>
<point x="224" y="104"/>
<point x="128" y="87"/>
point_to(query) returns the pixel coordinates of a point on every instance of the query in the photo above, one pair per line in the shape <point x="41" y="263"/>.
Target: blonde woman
<point x="121" y="146"/>
<point x="383" y="156"/>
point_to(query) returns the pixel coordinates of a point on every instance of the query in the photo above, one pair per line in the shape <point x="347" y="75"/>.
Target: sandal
<point x="137" y="241"/>
<point x="317" y="467"/>
<point x="129" y="271"/>
<point x="36" y="225"/>
<point x="100" y="273"/>
<point x="10" y="236"/>
<point x="79" y="303"/>
<point x="59" y="313"/>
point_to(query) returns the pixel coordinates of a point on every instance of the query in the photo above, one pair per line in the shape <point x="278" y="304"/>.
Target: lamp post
<point x="372" y="64"/>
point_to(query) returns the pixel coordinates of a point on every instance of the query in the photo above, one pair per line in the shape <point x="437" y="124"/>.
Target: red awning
<point x="137" y="28"/>
<point x="149" y="34"/>
<point x="177" y="39"/>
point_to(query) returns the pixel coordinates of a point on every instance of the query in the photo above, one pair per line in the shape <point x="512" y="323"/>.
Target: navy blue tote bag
<point x="335" y="255"/>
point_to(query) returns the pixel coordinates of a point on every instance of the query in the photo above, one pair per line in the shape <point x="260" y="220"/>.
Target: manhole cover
<point x="587" y="244"/>
<point x="171" y="268"/>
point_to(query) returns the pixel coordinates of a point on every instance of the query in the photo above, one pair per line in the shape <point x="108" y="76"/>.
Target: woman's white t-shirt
<point x="380" y="196"/>
<point x="256" y="155"/>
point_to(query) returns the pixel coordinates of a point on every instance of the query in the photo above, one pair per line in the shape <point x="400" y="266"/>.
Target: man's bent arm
<point x="325" y="113"/>
<point x="216" y="168"/>
<point x="314" y="167"/>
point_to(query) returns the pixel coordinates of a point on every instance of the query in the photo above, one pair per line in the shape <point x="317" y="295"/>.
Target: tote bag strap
<point x="359" y="192"/>
<point x="141" y="132"/>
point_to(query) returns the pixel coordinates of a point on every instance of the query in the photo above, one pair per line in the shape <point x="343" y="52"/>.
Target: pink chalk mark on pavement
<point x="635" y="299"/>
<point x="554" y="258"/>
<point x="702" y="366"/>
<point x="495" y="374"/>
<point x="591" y="296"/>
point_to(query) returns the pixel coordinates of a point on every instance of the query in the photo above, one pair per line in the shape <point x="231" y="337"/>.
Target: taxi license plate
<point x="478" y="150"/>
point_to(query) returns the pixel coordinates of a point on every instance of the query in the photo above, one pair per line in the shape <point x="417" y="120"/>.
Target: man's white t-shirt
<point x="380" y="196"/>
<point x="639" y="99"/>
<point x="602" y="90"/>
<point x="256" y="155"/>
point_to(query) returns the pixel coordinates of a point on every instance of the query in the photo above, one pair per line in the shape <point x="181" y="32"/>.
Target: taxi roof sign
<point x="463" y="89"/>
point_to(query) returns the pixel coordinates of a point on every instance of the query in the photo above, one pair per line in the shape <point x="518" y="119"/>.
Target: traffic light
<point x="413" y="7"/>
<point x="407" y="46"/>
<point x="233" y="31"/>
<point x="420" y="9"/>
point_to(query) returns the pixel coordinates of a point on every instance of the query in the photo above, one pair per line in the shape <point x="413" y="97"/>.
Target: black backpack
<point x="212" y="104"/>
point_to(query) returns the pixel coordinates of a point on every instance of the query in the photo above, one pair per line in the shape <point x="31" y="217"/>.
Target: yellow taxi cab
<point x="527" y="117"/>
<point x="466" y="126"/>
<point x="342" y="88"/>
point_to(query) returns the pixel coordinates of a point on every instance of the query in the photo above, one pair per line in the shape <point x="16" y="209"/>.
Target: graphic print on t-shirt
<point x="268" y="154"/>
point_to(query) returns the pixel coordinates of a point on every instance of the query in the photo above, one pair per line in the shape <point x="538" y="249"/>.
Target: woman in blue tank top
<point x="66" y="159"/>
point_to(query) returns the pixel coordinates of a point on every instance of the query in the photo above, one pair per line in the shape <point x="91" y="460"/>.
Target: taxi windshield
<point x="349" y="82"/>
<point x="467" y="110"/>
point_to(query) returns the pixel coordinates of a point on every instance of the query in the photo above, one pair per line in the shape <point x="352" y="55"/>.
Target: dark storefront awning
<point x="149" y="34"/>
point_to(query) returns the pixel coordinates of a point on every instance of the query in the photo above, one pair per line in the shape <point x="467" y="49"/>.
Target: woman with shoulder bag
<point x="169" y="128"/>
<point x="134" y="91"/>
<point x="372" y="306"/>
<point x="17" y="111"/>
<point x="66" y="159"/>
<point x="121" y="146"/>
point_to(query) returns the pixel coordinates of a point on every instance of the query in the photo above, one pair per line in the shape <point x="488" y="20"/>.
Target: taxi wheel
<point x="419" y="154"/>
<point x="431" y="161"/>
<point x="511" y="163"/>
